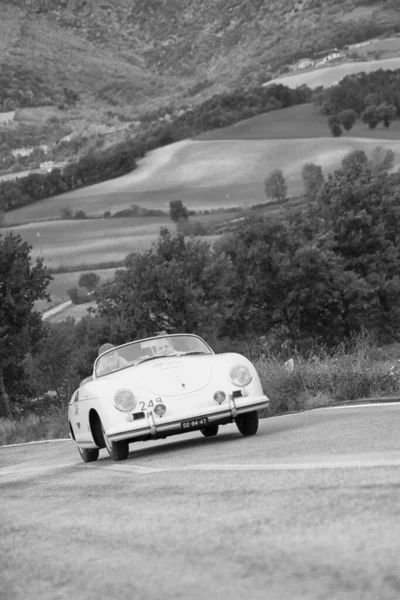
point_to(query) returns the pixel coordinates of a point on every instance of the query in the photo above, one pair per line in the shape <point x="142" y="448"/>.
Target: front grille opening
<point x="137" y="416"/>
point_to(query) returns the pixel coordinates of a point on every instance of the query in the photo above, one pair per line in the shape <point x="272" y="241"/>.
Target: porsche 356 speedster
<point x="161" y="386"/>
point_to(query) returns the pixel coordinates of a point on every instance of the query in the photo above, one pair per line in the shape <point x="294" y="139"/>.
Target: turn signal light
<point x="219" y="397"/>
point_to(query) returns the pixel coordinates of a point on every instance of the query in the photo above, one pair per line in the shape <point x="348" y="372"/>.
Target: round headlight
<point x="124" y="400"/>
<point x="240" y="375"/>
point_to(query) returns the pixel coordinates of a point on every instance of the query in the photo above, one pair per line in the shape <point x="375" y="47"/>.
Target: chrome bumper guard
<point x="152" y="428"/>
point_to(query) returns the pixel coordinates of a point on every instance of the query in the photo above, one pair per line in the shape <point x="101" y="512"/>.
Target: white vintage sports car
<point x="162" y="386"/>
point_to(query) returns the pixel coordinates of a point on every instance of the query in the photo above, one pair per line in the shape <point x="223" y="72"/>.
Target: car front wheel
<point x="247" y="423"/>
<point x="116" y="450"/>
<point x="209" y="431"/>
<point x="88" y="455"/>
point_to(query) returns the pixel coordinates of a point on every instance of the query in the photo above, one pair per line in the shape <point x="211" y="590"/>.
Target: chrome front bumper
<point x="157" y="426"/>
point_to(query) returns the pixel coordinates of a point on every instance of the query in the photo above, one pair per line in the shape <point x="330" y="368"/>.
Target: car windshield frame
<point x="123" y="354"/>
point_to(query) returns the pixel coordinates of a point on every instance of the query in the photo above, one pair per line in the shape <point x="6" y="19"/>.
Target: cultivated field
<point x="72" y="243"/>
<point x="327" y="76"/>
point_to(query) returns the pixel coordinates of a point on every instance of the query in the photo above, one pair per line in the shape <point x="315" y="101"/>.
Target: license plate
<point x="194" y="423"/>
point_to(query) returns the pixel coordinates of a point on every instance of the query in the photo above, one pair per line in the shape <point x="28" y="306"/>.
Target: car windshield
<point x="149" y="349"/>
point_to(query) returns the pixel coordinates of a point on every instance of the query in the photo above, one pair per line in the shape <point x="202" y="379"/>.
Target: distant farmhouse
<point x="48" y="166"/>
<point x="319" y="59"/>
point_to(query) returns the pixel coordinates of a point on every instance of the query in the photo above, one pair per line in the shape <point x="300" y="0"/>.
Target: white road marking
<point x="370" y="404"/>
<point x="353" y="464"/>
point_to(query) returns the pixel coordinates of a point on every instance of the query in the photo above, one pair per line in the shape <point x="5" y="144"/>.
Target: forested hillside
<point x="129" y="50"/>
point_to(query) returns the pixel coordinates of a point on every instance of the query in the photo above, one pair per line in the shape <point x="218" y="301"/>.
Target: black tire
<point x="116" y="450"/>
<point x="88" y="455"/>
<point x="247" y="423"/>
<point x="210" y="430"/>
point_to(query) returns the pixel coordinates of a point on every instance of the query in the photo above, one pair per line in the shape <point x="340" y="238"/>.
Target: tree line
<point x="374" y="97"/>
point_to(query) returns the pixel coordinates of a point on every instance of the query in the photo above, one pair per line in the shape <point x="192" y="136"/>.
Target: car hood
<point x="172" y="376"/>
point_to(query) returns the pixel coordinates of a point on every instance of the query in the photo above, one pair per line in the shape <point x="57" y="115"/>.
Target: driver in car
<point x="164" y="348"/>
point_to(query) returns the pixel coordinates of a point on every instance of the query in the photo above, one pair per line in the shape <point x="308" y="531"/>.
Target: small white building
<point x="305" y="63"/>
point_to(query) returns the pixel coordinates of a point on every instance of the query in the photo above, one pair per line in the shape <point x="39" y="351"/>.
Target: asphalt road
<point x="308" y="508"/>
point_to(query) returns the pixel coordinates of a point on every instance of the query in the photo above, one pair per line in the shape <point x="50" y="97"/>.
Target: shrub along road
<point x="308" y="508"/>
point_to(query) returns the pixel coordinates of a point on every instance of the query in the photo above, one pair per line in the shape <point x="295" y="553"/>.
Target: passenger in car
<point x="111" y="361"/>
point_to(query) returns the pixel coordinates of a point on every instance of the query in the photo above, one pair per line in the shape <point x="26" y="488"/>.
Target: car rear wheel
<point x="88" y="455"/>
<point x="116" y="450"/>
<point x="210" y="431"/>
<point x="247" y="423"/>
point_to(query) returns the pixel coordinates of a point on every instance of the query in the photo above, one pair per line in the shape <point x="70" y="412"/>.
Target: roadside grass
<point x="30" y="428"/>
<point x="352" y="371"/>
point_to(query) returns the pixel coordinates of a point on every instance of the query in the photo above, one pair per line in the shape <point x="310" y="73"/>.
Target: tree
<point x="354" y="161"/>
<point x="313" y="180"/>
<point x="362" y="213"/>
<point x="275" y="186"/>
<point x="177" y="211"/>
<point x="66" y="213"/>
<point x="21" y="285"/>
<point x="386" y="112"/>
<point x="347" y="118"/>
<point x="334" y="126"/>
<point x="56" y="360"/>
<point x="381" y="160"/>
<point x="174" y="286"/>
<point x="90" y="281"/>
<point x="371" y="116"/>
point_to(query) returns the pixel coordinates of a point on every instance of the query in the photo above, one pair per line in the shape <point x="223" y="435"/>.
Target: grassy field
<point x="386" y="48"/>
<point x="327" y="76"/>
<point x="303" y="121"/>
